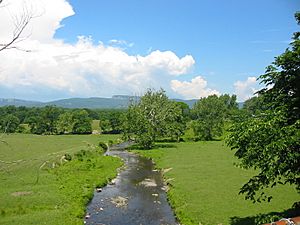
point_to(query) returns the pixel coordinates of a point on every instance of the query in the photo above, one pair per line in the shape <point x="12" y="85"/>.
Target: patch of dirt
<point x="21" y="193"/>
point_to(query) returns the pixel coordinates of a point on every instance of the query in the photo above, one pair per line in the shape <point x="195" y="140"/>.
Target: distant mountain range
<point x="115" y="102"/>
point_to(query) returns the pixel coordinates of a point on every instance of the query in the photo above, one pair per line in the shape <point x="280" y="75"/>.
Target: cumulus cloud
<point x="246" y="89"/>
<point x="47" y="16"/>
<point x="80" y="69"/>
<point x="196" y="88"/>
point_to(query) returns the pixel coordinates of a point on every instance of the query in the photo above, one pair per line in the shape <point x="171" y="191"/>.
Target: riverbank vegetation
<point x="50" y="179"/>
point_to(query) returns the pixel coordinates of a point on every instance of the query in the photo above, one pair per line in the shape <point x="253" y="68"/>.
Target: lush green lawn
<point x="205" y="185"/>
<point x="54" y="194"/>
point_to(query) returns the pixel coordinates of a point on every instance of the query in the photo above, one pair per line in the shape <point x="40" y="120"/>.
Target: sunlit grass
<point x="36" y="189"/>
<point x="205" y="185"/>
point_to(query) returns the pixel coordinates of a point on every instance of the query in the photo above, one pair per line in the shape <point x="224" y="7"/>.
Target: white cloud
<point x="47" y="17"/>
<point x="80" y="69"/>
<point x="246" y="89"/>
<point x="121" y="43"/>
<point x="196" y="88"/>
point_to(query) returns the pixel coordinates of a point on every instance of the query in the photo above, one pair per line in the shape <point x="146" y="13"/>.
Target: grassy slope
<point x="206" y="185"/>
<point x="60" y="195"/>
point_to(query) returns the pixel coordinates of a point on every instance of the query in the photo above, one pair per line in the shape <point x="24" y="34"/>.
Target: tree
<point x="82" y="124"/>
<point x="254" y="105"/>
<point x="9" y="123"/>
<point x="105" y="126"/>
<point x="153" y="117"/>
<point x="65" y="123"/>
<point x="208" y="114"/>
<point x="44" y="122"/>
<point x="20" y="22"/>
<point x="270" y="141"/>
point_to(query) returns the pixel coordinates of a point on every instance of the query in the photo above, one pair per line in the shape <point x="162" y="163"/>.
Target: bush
<point x="110" y="143"/>
<point x="68" y="157"/>
<point x="103" y="146"/>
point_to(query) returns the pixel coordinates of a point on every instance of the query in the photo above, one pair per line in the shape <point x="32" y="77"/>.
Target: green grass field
<point x="36" y="189"/>
<point x="205" y="185"/>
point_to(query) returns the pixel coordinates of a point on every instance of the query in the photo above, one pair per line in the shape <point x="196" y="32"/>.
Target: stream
<point x="135" y="197"/>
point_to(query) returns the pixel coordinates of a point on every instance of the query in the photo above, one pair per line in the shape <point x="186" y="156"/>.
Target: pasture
<point x="204" y="186"/>
<point x="36" y="189"/>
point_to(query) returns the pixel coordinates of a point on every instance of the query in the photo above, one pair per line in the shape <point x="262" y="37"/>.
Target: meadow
<point x="204" y="186"/>
<point x="39" y="186"/>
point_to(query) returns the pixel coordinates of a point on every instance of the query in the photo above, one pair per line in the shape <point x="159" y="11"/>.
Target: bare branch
<point x="20" y="24"/>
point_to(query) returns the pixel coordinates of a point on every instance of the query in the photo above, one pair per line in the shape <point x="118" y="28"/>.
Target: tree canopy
<point x="269" y="141"/>
<point x="154" y="116"/>
<point x="209" y="115"/>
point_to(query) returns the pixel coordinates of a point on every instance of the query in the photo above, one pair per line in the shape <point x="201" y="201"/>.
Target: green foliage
<point x="110" y="142"/>
<point x="154" y="116"/>
<point x="254" y="105"/>
<point x="9" y="123"/>
<point x="270" y="140"/>
<point x="209" y="115"/>
<point x="103" y="145"/>
<point x="82" y="124"/>
<point x="64" y="124"/>
<point x="111" y="120"/>
<point x="105" y="126"/>
<point x="265" y="144"/>
<point x="68" y="157"/>
<point x="54" y="120"/>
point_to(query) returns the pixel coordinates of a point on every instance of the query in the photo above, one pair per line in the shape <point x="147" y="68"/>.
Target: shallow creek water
<point x="135" y="197"/>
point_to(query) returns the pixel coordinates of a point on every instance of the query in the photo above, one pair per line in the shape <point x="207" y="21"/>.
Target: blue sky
<point x="230" y="42"/>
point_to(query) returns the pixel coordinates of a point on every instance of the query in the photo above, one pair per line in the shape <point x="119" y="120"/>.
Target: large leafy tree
<point x="254" y="105"/>
<point x="208" y="114"/>
<point x="154" y="116"/>
<point x="82" y="124"/>
<point x="9" y="123"/>
<point x="45" y="121"/>
<point x="270" y="141"/>
<point x="65" y="123"/>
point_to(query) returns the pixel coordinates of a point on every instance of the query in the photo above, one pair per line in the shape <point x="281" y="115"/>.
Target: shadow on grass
<point x="165" y="145"/>
<point x="156" y="146"/>
<point x="268" y="217"/>
<point x="168" y="140"/>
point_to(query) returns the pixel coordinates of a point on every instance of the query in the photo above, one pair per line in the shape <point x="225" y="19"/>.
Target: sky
<point x="97" y="48"/>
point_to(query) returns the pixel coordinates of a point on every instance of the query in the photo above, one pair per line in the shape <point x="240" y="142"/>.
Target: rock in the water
<point x="119" y="201"/>
<point x="148" y="183"/>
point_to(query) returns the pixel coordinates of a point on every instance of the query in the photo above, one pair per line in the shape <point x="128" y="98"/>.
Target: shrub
<point x="68" y="157"/>
<point x="110" y="143"/>
<point x="103" y="145"/>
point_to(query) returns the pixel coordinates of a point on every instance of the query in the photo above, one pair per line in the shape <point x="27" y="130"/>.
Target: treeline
<point x="156" y="117"/>
<point x="55" y="120"/>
